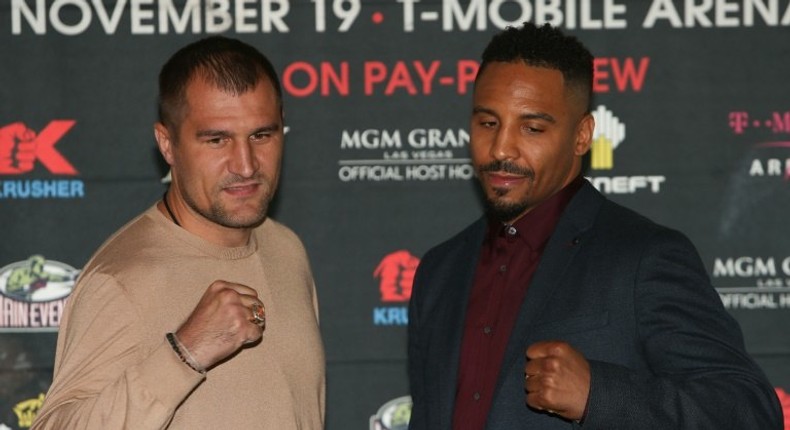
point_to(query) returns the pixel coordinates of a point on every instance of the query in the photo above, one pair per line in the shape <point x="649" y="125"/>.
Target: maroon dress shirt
<point x="508" y="259"/>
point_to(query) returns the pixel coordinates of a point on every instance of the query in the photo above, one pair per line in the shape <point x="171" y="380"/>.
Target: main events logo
<point x="33" y="294"/>
<point x="396" y="276"/>
<point x="27" y="410"/>
<point x="393" y="415"/>
<point x="609" y="133"/>
<point x="22" y="148"/>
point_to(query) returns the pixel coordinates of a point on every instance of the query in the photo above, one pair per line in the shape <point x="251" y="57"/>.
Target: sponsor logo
<point x="22" y="149"/>
<point x="27" y="410"/>
<point x="609" y="133"/>
<point x="773" y="127"/>
<point x="396" y="276"/>
<point x="769" y="278"/>
<point x="423" y="78"/>
<point x="393" y="415"/>
<point x="399" y="77"/>
<point x="33" y="294"/>
<point x="784" y="400"/>
<point x="420" y="154"/>
<point x="138" y="17"/>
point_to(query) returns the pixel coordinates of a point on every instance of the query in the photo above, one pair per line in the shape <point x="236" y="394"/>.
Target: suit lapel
<point x="555" y="262"/>
<point x="461" y="272"/>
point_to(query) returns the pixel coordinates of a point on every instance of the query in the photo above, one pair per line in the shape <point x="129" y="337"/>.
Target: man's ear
<point x="164" y="141"/>
<point x="584" y="133"/>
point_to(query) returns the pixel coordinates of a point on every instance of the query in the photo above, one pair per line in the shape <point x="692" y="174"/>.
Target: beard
<point x="505" y="211"/>
<point x="219" y="214"/>
<point x="496" y="206"/>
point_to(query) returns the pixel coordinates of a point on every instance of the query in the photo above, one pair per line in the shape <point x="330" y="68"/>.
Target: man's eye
<point x="259" y="136"/>
<point x="533" y="130"/>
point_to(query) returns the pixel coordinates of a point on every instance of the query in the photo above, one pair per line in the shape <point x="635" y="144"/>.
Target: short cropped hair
<point x="231" y="65"/>
<point x="544" y="46"/>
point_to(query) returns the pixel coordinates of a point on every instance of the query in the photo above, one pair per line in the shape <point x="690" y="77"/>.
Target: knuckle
<point x="552" y="364"/>
<point x="227" y="295"/>
<point x="559" y="348"/>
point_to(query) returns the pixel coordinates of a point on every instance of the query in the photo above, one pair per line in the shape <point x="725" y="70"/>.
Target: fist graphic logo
<point x="396" y="275"/>
<point x="784" y="400"/>
<point x="17" y="148"/>
<point x="20" y="147"/>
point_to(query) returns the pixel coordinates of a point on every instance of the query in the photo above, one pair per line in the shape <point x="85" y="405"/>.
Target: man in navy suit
<point x="559" y="308"/>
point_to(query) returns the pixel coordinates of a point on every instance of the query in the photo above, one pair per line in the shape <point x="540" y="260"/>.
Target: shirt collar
<point x="537" y="225"/>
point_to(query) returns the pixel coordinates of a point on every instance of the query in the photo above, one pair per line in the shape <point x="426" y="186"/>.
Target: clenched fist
<point x="557" y="379"/>
<point x="221" y="323"/>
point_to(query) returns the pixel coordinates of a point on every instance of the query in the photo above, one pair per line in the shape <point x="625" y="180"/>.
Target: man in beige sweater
<point x="201" y="312"/>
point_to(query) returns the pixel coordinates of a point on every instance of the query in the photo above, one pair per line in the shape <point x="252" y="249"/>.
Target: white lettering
<point x="744" y="267"/>
<point x="145" y="17"/>
<point x="70" y="30"/>
<point x="627" y="184"/>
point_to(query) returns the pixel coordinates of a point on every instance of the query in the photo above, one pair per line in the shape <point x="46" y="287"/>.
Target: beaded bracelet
<point x="177" y="347"/>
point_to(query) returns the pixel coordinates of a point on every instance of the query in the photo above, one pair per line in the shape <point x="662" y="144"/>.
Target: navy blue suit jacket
<point x="632" y="296"/>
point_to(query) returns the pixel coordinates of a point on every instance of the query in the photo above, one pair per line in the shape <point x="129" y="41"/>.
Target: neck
<point x="203" y="228"/>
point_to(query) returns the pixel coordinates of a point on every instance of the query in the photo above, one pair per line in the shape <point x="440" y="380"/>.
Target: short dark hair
<point x="230" y="64"/>
<point x="544" y="46"/>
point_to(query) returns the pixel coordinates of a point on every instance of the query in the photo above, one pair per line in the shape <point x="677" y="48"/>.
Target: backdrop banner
<point x="692" y="105"/>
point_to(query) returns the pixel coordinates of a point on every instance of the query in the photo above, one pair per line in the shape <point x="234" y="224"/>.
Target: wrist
<point x="183" y="354"/>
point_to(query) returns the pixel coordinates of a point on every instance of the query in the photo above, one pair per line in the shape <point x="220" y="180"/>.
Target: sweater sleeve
<point x="104" y="375"/>
<point x="701" y="376"/>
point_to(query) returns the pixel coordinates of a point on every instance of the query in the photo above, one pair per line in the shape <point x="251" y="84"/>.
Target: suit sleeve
<point x="419" y="419"/>
<point x="104" y="377"/>
<point x="701" y="376"/>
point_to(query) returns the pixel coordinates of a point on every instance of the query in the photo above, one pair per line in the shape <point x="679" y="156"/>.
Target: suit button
<point x="503" y="268"/>
<point x="487" y="330"/>
<point x="476" y="396"/>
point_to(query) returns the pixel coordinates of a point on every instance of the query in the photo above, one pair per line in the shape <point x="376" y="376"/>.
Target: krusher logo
<point x="608" y="134"/>
<point x="33" y="293"/>
<point x="393" y="415"/>
<point x="784" y="400"/>
<point x="21" y="147"/>
<point x="396" y="276"/>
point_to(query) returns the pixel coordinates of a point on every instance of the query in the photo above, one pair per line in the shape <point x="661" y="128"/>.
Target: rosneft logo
<point x="609" y="133"/>
<point x="33" y="294"/>
<point x="22" y="149"/>
<point x="393" y="415"/>
<point x="395" y="273"/>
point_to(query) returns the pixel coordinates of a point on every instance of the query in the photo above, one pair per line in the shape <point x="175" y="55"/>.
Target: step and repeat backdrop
<point x="692" y="105"/>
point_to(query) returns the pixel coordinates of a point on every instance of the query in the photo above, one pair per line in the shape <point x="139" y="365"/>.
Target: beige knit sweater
<point x="115" y="370"/>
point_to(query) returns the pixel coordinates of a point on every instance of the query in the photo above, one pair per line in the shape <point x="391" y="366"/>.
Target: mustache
<point x="507" y="167"/>
<point x="236" y="179"/>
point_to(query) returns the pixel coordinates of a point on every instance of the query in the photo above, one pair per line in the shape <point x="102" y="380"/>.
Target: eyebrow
<point x="531" y="115"/>
<point x="224" y="133"/>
